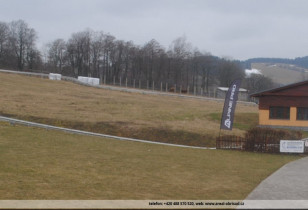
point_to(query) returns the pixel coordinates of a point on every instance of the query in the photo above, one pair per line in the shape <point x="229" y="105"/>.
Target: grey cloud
<point x="237" y="28"/>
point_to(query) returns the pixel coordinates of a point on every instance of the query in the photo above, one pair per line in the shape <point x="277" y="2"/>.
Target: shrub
<point x="258" y="139"/>
<point x="268" y="139"/>
<point x="260" y="134"/>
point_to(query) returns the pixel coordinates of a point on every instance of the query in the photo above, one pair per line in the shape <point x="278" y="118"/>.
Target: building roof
<point x="226" y="89"/>
<point x="284" y="88"/>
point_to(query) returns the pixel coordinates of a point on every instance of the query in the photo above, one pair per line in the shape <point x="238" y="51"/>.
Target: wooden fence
<point x="231" y="142"/>
<point x="265" y="145"/>
<point x="258" y="139"/>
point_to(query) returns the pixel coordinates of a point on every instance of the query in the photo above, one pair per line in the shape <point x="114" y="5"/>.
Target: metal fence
<point x="265" y="145"/>
<point x="164" y="89"/>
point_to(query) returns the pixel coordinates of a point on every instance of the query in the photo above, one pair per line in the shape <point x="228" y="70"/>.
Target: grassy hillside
<point x="282" y="73"/>
<point x="157" y="118"/>
<point x="41" y="164"/>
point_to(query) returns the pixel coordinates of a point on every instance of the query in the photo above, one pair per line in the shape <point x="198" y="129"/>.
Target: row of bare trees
<point x="17" y="46"/>
<point x="99" y="54"/>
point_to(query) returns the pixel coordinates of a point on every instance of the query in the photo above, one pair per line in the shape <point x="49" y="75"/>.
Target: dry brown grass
<point x="41" y="164"/>
<point x="119" y="113"/>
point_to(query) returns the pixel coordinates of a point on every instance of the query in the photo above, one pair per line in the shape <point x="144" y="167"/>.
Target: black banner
<point x="229" y="107"/>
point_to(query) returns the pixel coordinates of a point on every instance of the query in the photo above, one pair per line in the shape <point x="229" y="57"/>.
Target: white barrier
<point x="129" y="90"/>
<point x="83" y="79"/>
<point x="89" y="80"/>
<point x="93" y="81"/>
<point x="53" y="76"/>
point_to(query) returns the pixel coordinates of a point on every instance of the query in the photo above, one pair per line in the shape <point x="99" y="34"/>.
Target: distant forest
<point x="99" y="54"/>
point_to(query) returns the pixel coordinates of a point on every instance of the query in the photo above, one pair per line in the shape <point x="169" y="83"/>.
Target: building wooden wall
<point x="287" y="101"/>
<point x="292" y="96"/>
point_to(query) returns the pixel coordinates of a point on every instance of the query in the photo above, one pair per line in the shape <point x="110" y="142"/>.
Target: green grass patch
<point x="242" y="121"/>
<point x="43" y="164"/>
<point x="305" y="134"/>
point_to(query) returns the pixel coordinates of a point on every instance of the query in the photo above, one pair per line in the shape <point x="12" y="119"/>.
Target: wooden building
<point x="285" y="106"/>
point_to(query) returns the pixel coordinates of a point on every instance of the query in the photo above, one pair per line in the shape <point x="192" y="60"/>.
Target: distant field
<point x="41" y="164"/>
<point x="157" y="118"/>
<point x="281" y="73"/>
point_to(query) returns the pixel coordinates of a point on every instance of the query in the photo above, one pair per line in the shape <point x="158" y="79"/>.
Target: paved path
<point x="287" y="188"/>
<point x="288" y="183"/>
<point x="74" y="131"/>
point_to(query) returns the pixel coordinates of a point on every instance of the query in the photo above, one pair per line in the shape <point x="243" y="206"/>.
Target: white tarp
<point x="89" y="80"/>
<point x="292" y="146"/>
<point x="53" y="76"/>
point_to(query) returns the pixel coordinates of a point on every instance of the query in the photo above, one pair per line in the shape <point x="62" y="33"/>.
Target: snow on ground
<point x="248" y="72"/>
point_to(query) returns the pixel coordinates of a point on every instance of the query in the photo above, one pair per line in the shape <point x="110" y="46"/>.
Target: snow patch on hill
<point x="249" y="72"/>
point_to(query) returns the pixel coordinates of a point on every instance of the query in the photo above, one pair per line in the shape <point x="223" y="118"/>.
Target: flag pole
<point x="227" y="115"/>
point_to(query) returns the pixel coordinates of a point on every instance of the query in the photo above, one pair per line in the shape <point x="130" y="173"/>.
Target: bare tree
<point x="256" y="83"/>
<point x="180" y="51"/>
<point x="229" y="71"/>
<point x="22" y="42"/>
<point x="4" y="30"/>
<point x="151" y="54"/>
<point x="108" y="53"/>
<point x="79" y="49"/>
<point x="56" y="54"/>
<point x="97" y="46"/>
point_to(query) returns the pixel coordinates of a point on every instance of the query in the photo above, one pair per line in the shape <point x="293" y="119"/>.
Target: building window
<point x="279" y="112"/>
<point x="302" y="113"/>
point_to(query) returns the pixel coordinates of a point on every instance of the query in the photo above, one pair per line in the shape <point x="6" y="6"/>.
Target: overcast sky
<point x="240" y="29"/>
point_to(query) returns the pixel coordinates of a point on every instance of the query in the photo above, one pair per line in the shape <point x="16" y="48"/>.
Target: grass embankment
<point x="242" y="121"/>
<point x="41" y="164"/>
<point x="157" y="118"/>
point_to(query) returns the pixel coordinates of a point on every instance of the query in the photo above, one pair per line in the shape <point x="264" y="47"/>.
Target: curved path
<point x="286" y="188"/>
<point x="74" y="131"/>
<point x="290" y="182"/>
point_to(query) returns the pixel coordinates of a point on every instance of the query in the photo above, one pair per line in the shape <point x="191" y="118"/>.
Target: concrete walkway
<point x="287" y="188"/>
<point x="288" y="183"/>
<point x="74" y="131"/>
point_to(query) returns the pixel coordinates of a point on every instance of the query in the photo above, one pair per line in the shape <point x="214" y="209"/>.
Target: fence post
<point x="201" y="91"/>
<point x="195" y="90"/>
<point x="166" y="86"/>
<point x="180" y="89"/>
<point x="175" y="88"/>
<point x="134" y="83"/>
<point x="161" y="86"/>
<point x="153" y="86"/>
<point x="120" y="81"/>
<point x="104" y="80"/>
<point x="126" y="82"/>
<point x="139" y="84"/>
<point x="188" y="90"/>
<point x="113" y="80"/>
<point x="147" y="84"/>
